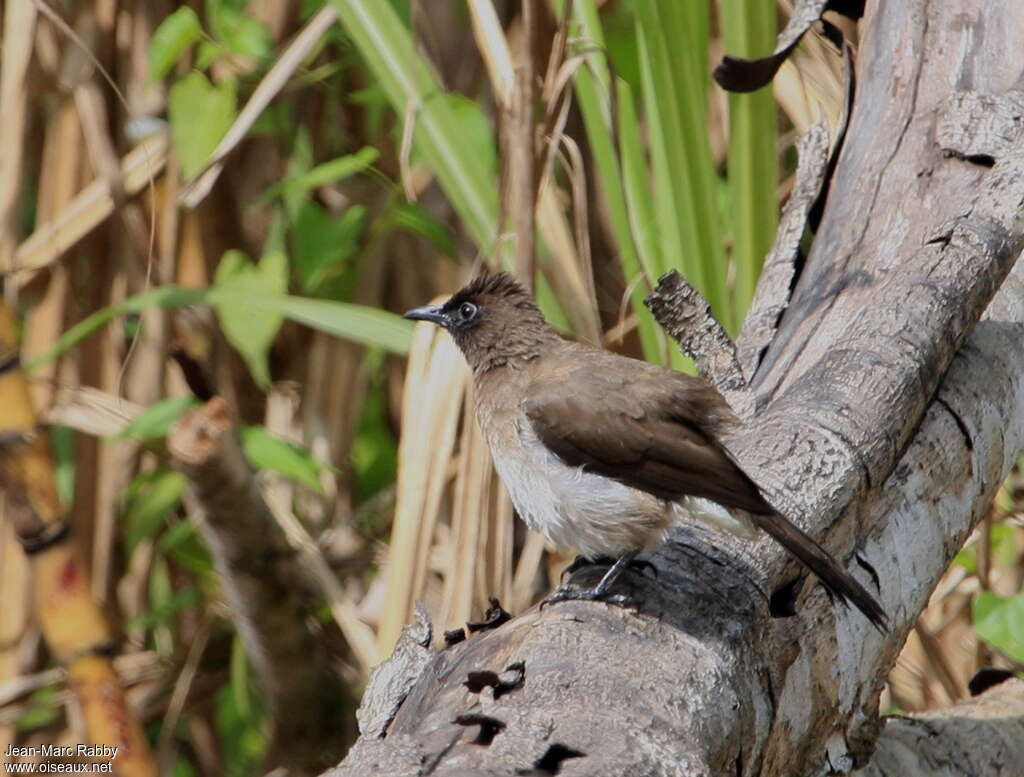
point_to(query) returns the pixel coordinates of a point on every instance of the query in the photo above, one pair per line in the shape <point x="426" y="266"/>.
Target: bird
<point x="603" y="453"/>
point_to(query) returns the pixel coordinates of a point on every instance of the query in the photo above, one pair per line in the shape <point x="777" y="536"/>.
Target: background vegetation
<point x="236" y="198"/>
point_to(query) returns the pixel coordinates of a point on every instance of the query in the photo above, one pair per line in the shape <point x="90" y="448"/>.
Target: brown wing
<point x="655" y="431"/>
<point x="650" y="432"/>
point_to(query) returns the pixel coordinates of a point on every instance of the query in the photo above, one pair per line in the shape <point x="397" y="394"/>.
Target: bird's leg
<point x="600" y="592"/>
<point x="581" y="562"/>
<point x="639" y="565"/>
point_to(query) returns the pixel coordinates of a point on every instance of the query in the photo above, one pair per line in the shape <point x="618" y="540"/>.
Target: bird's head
<point x="492" y="319"/>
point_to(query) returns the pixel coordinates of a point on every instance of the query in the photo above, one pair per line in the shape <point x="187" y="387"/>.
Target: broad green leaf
<point x="251" y="334"/>
<point x="967" y="557"/>
<point x="150" y="499"/>
<point x="200" y="114"/>
<point x="476" y="137"/>
<point x="323" y="243"/>
<point x="240" y="32"/>
<point x="329" y="172"/>
<point x="358" y="323"/>
<point x="374" y="449"/>
<point x="1004" y="544"/>
<point x="414" y="218"/>
<point x="175" y="35"/>
<point x="1000" y="622"/>
<point x="240" y="732"/>
<point x="265" y="451"/>
<point x="156" y="419"/>
<point x="181" y="542"/>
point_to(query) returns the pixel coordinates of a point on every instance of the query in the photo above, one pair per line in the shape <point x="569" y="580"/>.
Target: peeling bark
<point x="885" y="416"/>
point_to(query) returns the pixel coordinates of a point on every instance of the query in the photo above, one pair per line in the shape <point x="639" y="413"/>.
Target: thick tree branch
<point x="263" y="583"/>
<point x="983" y="735"/>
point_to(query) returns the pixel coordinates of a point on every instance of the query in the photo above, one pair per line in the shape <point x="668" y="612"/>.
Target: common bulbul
<point x="602" y="453"/>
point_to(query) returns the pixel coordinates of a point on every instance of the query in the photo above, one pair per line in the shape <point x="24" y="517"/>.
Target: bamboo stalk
<point x="75" y="630"/>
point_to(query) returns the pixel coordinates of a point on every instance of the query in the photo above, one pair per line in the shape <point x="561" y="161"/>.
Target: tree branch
<point x="263" y="583"/>
<point x="968" y="739"/>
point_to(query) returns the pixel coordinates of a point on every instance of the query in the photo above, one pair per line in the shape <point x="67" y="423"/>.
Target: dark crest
<point x="498" y="286"/>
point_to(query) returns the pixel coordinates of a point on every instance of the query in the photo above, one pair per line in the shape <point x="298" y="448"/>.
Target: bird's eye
<point x="467" y="310"/>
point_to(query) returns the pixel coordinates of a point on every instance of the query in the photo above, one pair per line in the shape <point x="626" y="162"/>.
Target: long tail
<point x="820" y="562"/>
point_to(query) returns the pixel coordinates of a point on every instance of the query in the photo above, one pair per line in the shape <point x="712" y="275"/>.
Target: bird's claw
<point x="567" y="594"/>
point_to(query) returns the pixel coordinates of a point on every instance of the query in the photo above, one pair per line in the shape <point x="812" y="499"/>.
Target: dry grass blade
<point x="91" y="411"/>
<point x="493" y="48"/>
<point x="90" y="208"/>
<point x="526" y="572"/>
<point x="431" y="412"/>
<point x="463" y="583"/>
<point x="19" y="25"/>
<point x="566" y="272"/>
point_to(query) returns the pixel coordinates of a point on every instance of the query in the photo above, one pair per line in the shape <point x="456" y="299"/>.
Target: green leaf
<point x="358" y="323"/>
<point x="476" y="137"/>
<point x="324" y="243"/>
<point x="1000" y="622"/>
<point x="967" y="557"/>
<point x="1004" y="544"/>
<point x="240" y="32"/>
<point x="265" y="451"/>
<point x="374" y="449"/>
<point x="175" y="35"/>
<point x="239" y="674"/>
<point x="156" y="419"/>
<point x="62" y="440"/>
<point x="181" y="541"/>
<point x="250" y="334"/>
<point x="414" y="218"/>
<point x="200" y="114"/>
<point x="684" y="172"/>
<point x="593" y="86"/>
<point x="150" y="498"/>
<point x="43" y="708"/>
<point x="329" y="172"/>
<point x="749" y="30"/>
<point x="169" y="606"/>
<point x="463" y="169"/>
<point x="163" y="297"/>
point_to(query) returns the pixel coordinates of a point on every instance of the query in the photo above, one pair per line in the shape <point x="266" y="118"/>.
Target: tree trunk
<point x="879" y="416"/>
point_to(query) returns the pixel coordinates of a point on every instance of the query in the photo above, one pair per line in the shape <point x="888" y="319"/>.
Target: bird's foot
<point x="595" y="594"/>
<point x="600" y="592"/>
<point x="638" y="565"/>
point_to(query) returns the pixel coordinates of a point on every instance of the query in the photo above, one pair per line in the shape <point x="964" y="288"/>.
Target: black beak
<point x="427" y="313"/>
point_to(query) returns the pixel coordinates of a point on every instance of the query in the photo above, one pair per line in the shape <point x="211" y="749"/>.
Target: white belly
<point x="595" y="515"/>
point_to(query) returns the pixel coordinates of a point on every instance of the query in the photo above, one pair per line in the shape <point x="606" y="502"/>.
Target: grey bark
<point x="882" y="419"/>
